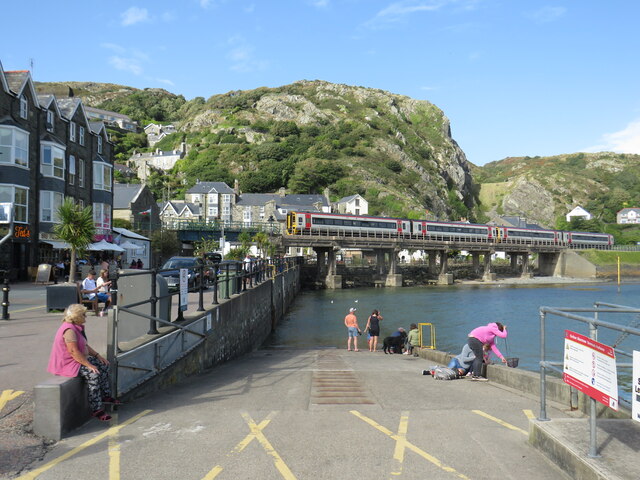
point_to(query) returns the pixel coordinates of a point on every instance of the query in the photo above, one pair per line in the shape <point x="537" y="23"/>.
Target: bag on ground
<point x="444" y="373"/>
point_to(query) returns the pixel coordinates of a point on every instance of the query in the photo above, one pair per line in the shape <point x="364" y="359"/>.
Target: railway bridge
<point x="387" y="247"/>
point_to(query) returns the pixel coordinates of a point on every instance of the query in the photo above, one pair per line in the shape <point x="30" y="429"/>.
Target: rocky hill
<point x="544" y="189"/>
<point x="309" y="137"/>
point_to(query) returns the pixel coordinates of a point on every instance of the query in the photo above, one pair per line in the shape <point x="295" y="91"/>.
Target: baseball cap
<point x="352" y="310"/>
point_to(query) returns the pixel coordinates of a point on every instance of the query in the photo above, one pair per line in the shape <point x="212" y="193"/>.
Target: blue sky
<point x="515" y="77"/>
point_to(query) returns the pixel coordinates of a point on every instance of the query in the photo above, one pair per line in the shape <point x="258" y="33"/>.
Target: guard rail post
<point x="216" y="269"/>
<point x="593" y="432"/>
<point x="226" y="279"/>
<point x="201" y="290"/>
<point x="543" y="381"/>
<point x="153" y="327"/>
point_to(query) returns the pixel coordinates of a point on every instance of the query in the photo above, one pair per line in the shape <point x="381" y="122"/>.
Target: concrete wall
<point x="529" y="383"/>
<point x="570" y="264"/>
<point x="240" y="325"/>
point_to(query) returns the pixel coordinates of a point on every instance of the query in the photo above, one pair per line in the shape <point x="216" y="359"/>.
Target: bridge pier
<point x="526" y="273"/>
<point x="444" y="278"/>
<point x="475" y="258"/>
<point x="547" y="263"/>
<point x="432" y="262"/>
<point x="513" y="257"/>
<point x="488" y="275"/>
<point x="394" y="279"/>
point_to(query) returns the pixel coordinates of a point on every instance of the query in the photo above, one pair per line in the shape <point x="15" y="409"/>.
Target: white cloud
<point x="399" y="11"/>
<point x="319" y="3"/>
<point x="134" y="15"/>
<point x="165" y="81"/>
<point x="242" y="56"/>
<point x="626" y="140"/>
<point x="131" y="65"/>
<point x="547" y="14"/>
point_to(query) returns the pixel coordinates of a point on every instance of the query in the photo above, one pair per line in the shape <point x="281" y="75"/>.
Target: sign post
<point x="590" y="367"/>
<point x="184" y="289"/>
<point x="635" y="387"/>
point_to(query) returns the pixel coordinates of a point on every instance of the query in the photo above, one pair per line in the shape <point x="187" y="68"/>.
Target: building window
<point x="52" y="164"/>
<point x="49" y="204"/>
<point x="226" y="198"/>
<point x="81" y="172"/>
<point x="226" y="212"/>
<point x="99" y="143"/>
<point x="101" y="176"/>
<point x="102" y="216"/>
<point x="357" y="202"/>
<point x="24" y="107"/>
<point x="262" y="213"/>
<point x="213" y="198"/>
<point x="81" y="136"/>
<point x="19" y="197"/>
<point x="212" y="212"/>
<point x="246" y="215"/>
<point x="196" y="198"/>
<point x="14" y="146"/>
<point x="49" y="121"/>
<point x="72" y="170"/>
<point x="72" y="131"/>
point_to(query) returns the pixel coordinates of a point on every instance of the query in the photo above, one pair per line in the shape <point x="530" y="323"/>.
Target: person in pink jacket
<point x="485" y="335"/>
<point x="72" y="356"/>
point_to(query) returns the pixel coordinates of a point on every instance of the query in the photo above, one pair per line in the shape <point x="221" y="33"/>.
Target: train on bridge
<point x="336" y="224"/>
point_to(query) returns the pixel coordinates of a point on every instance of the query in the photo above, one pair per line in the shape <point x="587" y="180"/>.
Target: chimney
<point x="236" y="187"/>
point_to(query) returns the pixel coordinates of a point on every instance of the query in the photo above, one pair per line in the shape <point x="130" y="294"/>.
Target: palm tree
<point x="76" y="228"/>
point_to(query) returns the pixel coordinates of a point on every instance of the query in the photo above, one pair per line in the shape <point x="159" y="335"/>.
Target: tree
<point x="76" y="228"/>
<point x="262" y="242"/>
<point x="164" y="243"/>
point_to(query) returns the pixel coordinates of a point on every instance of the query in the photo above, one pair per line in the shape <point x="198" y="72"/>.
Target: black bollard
<point x="5" y="296"/>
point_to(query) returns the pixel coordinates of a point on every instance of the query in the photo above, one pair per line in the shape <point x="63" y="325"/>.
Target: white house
<point x="354" y="205"/>
<point x="628" y="215"/>
<point x="578" y="212"/>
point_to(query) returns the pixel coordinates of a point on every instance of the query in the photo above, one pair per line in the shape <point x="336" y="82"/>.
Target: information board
<point x="184" y="289"/>
<point x="590" y="367"/>
<point x="635" y="387"/>
<point x="44" y="273"/>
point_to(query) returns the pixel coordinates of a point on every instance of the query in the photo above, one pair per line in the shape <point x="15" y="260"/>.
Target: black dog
<point x="393" y="344"/>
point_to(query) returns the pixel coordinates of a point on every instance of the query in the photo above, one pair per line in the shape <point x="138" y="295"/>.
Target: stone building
<point x="48" y="150"/>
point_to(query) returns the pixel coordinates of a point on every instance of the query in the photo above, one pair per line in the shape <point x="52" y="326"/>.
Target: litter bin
<point x="227" y="283"/>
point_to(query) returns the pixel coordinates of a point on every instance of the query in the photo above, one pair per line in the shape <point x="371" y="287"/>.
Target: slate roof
<point x="68" y="106"/>
<point x="16" y="79"/>
<point x="347" y="199"/>
<point x="179" y="206"/>
<point x="128" y="233"/>
<point x="257" y="199"/>
<point x="96" y="127"/>
<point x="125" y="193"/>
<point x="300" y="200"/>
<point x="123" y="168"/>
<point x="630" y="209"/>
<point x="5" y="86"/>
<point x="206" y="187"/>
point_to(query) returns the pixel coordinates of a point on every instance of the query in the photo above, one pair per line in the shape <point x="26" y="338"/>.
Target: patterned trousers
<point x="98" y="383"/>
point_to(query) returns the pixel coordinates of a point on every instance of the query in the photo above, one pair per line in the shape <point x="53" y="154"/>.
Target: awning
<point x="127" y="245"/>
<point x="103" y="245"/>
<point x="57" y="245"/>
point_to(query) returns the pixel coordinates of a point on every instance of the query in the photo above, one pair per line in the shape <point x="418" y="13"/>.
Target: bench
<point x="61" y="405"/>
<point x="91" y="303"/>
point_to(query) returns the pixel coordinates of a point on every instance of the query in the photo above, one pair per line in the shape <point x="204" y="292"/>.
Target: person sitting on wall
<point x="90" y="291"/>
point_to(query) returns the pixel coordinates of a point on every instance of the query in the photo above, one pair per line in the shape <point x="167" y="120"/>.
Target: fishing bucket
<point x="512" y="362"/>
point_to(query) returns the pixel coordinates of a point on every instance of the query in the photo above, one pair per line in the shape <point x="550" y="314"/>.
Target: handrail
<point x="593" y="324"/>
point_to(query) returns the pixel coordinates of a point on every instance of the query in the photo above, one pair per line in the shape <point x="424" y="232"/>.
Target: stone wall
<point x="240" y="325"/>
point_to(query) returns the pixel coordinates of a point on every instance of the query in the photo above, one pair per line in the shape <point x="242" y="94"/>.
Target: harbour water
<point x="315" y="320"/>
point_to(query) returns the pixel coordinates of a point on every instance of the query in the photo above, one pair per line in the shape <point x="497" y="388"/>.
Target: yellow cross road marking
<point x="256" y="434"/>
<point x="398" y="453"/>
<point x="501" y="422"/>
<point x="529" y="414"/>
<point x="409" y="445"/>
<point x="7" y="396"/>
<point x="110" y="432"/>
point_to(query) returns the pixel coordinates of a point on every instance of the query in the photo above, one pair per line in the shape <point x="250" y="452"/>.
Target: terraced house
<point x="48" y="150"/>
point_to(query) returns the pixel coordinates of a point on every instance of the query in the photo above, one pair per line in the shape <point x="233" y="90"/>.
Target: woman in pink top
<point x="485" y="335"/>
<point x="71" y="356"/>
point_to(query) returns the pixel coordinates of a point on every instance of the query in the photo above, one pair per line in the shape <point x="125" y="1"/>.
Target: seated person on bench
<point x="90" y="290"/>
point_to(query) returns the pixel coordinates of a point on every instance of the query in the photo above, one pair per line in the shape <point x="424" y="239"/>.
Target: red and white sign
<point x="590" y="367"/>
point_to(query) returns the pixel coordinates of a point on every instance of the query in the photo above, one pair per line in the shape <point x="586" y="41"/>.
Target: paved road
<point x="310" y="414"/>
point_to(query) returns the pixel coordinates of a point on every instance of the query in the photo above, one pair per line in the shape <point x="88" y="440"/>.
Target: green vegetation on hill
<point x="607" y="257"/>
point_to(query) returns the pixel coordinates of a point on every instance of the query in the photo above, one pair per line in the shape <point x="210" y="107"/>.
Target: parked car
<point x="192" y="264"/>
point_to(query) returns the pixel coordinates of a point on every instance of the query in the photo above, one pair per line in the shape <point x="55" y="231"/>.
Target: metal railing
<point x="138" y="364"/>
<point x="593" y="324"/>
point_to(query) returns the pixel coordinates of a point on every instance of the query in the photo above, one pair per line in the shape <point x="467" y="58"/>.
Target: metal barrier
<point x="593" y="323"/>
<point x="137" y="365"/>
<point x="427" y="335"/>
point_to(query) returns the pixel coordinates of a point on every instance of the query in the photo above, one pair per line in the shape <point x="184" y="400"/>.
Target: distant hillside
<point x="544" y="189"/>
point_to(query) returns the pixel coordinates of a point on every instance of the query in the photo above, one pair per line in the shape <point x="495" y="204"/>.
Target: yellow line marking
<point x="529" y="414"/>
<point x="7" y="396"/>
<point x="215" y="471"/>
<point x="409" y="445"/>
<point x="26" y="309"/>
<point x="501" y="422"/>
<point x="114" y="455"/>
<point x="111" y="431"/>
<point x="401" y="443"/>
